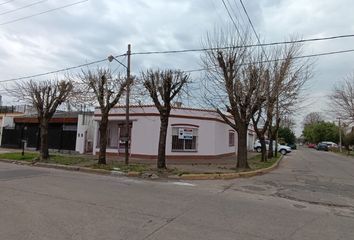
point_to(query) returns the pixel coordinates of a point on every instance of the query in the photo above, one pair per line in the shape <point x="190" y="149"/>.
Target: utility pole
<point x="129" y="80"/>
<point x="340" y="135"/>
<point x="276" y="123"/>
<point x="127" y="127"/>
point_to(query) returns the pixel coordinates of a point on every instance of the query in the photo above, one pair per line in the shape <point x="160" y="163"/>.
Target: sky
<point x="94" y="29"/>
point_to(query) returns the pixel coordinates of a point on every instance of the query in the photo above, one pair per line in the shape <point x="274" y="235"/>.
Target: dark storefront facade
<point x="61" y="133"/>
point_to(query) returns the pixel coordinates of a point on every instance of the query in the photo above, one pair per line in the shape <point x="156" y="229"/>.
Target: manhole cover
<point x="22" y="173"/>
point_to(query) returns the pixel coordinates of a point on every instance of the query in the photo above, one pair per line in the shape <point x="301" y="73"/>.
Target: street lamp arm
<point x="111" y="58"/>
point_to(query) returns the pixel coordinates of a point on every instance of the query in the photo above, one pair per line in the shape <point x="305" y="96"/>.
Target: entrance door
<point x="123" y="136"/>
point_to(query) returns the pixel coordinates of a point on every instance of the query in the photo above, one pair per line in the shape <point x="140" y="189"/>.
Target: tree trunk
<point x="103" y="139"/>
<point x="275" y="136"/>
<point x="264" y="149"/>
<point x="242" y="162"/>
<point x="44" y="153"/>
<point x="270" y="148"/>
<point x="161" y="158"/>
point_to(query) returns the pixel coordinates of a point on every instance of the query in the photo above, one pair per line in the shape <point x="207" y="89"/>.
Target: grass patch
<point x="55" y="159"/>
<point x="63" y="159"/>
<point x="79" y="160"/>
<point x="66" y="160"/>
<point x="176" y="171"/>
<point x="28" y="156"/>
<point x="255" y="162"/>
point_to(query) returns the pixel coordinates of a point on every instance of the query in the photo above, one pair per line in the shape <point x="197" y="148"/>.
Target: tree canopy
<point x="321" y="131"/>
<point x="287" y="135"/>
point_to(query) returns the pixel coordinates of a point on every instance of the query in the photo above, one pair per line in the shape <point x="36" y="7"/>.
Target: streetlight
<point x="110" y="59"/>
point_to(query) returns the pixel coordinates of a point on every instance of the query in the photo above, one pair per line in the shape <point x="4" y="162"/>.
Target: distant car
<point x="311" y="145"/>
<point x="281" y="148"/>
<point x="330" y="144"/>
<point x="322" y="147"/>
<point x="292" y="145"/>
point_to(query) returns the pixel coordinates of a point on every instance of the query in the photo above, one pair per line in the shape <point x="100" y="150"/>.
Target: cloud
<point x="96" y="29"/>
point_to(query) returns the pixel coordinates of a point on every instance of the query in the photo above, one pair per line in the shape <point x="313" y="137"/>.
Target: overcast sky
<point x="95" y="29"/>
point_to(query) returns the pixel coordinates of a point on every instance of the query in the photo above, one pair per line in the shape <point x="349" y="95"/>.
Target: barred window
<point x="184" y="139"/>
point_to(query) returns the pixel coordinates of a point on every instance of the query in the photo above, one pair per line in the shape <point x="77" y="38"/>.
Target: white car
<point x="281" y="148"/>
<point x="331" y="144"/>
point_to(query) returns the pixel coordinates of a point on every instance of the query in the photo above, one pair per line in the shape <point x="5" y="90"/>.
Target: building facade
<point x="85" y="132"/>
<point x="192" y="133"/>
<point x="25" y="128"/>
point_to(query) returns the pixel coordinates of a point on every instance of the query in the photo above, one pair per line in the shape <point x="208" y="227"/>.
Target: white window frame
<point x="195" y="134"/>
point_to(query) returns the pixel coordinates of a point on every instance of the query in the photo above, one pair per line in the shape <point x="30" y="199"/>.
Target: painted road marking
<point x="184" y="184"/>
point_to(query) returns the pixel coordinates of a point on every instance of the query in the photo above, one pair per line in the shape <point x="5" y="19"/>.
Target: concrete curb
<point x="231" y="175"/>
<point x="65" y="167"/>
<point x="18" y="162"/>
<point x="56" y="166"/>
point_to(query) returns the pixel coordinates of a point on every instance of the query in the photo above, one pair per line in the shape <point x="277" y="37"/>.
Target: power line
<point x="3" y="3"/>
<point x="235" y="15"/>
<point x="57" y="71"/>
<point x="119" y="65"/>
<point x="23" y="7"/>
<point x="215" y="7"/>
<point x="41" y="13"/>
<point x="253" y="29"/>
<point x="250" y="21"/>
<point x="191" y="70"/>
<point x="245" y="46"/>
<point x="197" y="50"/>
<point x="232" y="19"/>
<point x="282" y="59"/>
<point x="239" y="11"/>
<point x="187" y="71"/>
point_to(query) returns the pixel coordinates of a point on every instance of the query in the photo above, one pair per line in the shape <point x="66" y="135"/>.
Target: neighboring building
<point x="7" y="113"/>
<point x="192" y="133"/>
<point x="85" y="132"/>
<point x="61" y="133"/>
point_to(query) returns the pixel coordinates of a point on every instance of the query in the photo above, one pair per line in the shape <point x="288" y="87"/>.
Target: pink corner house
<point x="192" y="133"/>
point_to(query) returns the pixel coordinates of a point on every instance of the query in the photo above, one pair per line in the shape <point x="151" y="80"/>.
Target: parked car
<point x="330" y="144"/>
<point x="281" y="148"/>
<point x="311" y="145"/>
<point x="292" y="145"/>
<point x="322" y="146"/>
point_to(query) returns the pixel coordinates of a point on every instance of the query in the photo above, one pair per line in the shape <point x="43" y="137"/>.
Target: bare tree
<point x="288" y="122"/>
<point x="342" y="99"/>
<point x="313" y="117"/>
<point x="100" y="86"/>
<point x="275" y="81"/>
<point x="45" y="97"/>
<point x="289" y="76"/>
<point x="262" y="128"/>
<point x="163" y="87"/>
<point x="234" y="85"/>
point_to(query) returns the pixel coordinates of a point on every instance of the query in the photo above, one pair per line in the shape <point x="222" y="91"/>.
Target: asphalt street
<point x="310" y="196"/>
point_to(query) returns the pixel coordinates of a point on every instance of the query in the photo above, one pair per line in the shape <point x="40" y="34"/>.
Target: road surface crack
<point x="168" y="221"/>
<point x="325" y="204"/>
<point x="302" y="226"/>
